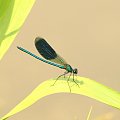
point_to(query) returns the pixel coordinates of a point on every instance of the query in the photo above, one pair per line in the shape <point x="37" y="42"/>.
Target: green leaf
<point x="12" y="16"/>
<point x="86" y="87"/>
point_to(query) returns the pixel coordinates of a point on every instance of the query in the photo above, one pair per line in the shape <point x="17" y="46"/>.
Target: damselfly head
<point x="75" y="71"/>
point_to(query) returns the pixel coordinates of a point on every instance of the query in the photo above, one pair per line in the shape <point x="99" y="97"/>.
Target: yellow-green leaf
<point x="12" y="16"/>
<point x="86" y="87"/>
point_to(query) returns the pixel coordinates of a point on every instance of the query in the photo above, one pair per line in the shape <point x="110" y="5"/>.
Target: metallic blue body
<point x="52" y="58"/>
<point x="43" y="60"/>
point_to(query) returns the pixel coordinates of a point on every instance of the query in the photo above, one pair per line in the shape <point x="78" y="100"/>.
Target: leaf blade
<point x="88" y="87"/>
<point x="12" y="17"/>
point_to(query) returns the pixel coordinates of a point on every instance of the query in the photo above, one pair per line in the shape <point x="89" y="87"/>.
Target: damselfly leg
<point x="60" y="76"/>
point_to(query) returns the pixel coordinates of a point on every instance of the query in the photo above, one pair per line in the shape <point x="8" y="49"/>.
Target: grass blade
<point x="12" y="16"/>
<point x="87" y="87"/>
<point x="88" y="116"/>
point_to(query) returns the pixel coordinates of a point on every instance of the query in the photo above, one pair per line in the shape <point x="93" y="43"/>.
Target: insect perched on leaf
<point x="52" y="58"/>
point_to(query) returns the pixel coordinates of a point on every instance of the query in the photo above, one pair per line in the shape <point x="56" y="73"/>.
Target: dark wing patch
<point x="45" y="49"/>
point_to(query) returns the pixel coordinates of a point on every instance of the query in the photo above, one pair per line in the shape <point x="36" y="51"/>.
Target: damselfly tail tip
<point x="18" y="47"/>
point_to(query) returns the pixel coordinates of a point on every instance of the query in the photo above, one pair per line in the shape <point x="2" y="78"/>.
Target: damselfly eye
<point x="75" y="71"/>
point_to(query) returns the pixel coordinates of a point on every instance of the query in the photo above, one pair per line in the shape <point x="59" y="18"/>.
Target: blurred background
<point x="84" y="32"/>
